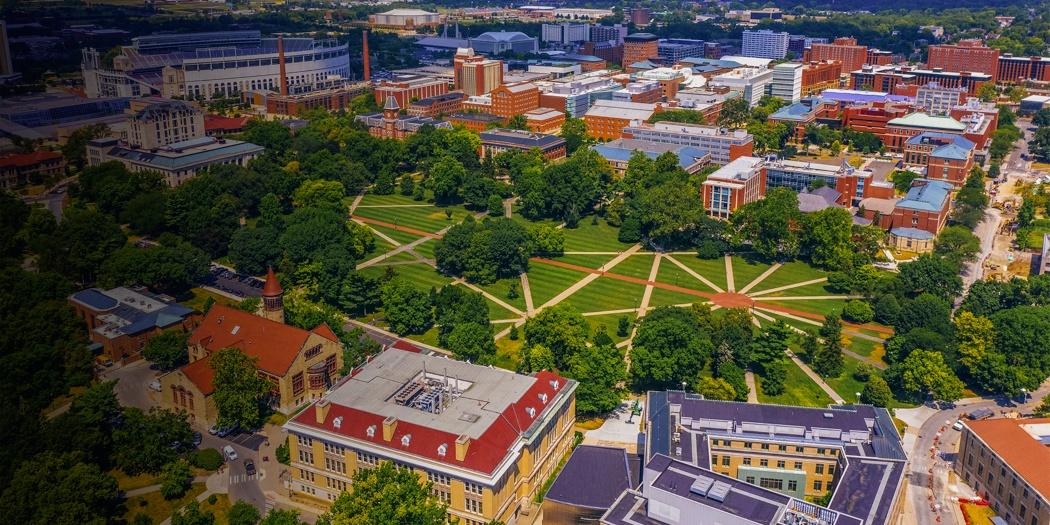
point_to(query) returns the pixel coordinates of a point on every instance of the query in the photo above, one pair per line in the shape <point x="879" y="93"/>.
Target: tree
<point x="828" y="361"/>
<point x="858" y="311"/>
<point x="407" y="308"/>
<point x="446" y="177"/>
<point x="192" y="514"/>
<point x="768" y="348"/>
<point x="957" y="244"/>
<point x="1022" y="335"/>
<point x="75" y="148"/>
<point x="773" y="376"/>
<point x="772" y="225"/>
<point x="167" y="349"/>
<point x="623" y="326"/>
<point x="975" y="336"/>
<point x="734" y="113"/>
<point x="1043" y="410"/>
<point x="827" y="238"/>
<point x="561" y="330"/>
<point x="876" y="392"/>
<point x="244" y="513"/>
<point x="327" y="194"/>
<point x="407" y="185"/>
<point x="280" y="516"/>
<point x="925" y="311"/>
<point x="669" y="348"/>
<point x="173" y="267"/>
<point x="240" y="394"/>
<point x="472" y="342"/>
<point x="146" y="441"/>
<point x="598" y="369"/>
<point x="175" y="479"/>
<point x="886" y="309"/>
<point x="930" y="274"/>
<point x="81" y="243"/>
<point x="546" y="240"/>
<point x="1040" y="143"/>
<point x="58" y="489"/>
<point x="252" y="250"/>
<point x="574" y="131"/>
<point x="715" y="388"/>
<point x="1026" y="213"/>
<point x="356" y="348"/>
<point x="902" y="180"/>
<point x="924" y="373"/>
<point x="485" y="251"/>
<point x="518" y="122"/>
<point x="386" y="494"/>
<point x="987" y="92"/>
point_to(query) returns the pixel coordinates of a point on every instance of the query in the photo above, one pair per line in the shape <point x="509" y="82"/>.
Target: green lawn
<point x="156" y="507"/>
<point x="397" y="235"/>
<point x="661" y="297"/>
<point x="804" y="291"/>
<point x="588" y="261"/>
<point x="1035" y="236"/>
<point x="611" y="323"/>
<point x="589" y="237"/>
<point x="420" y="275"/>
<point x="821" y="306"/>
<point x="713" y="270"/>
<point x="428" y="219"/>
<point x="547" y="281"/>
<point x="747" y="269"/>
<point x="429" y="337"/>
<point x="846" y="384"/>
<point x="789" y="273"/>
<point x="799" y="390"/>
<point x="671" y="274"/>
<point x="400" y="257"/>
<point x="396" y="199"/>
<point x="200" y="296"/>
<point x="637" y="266"/>
<point x="607" y="294"/>
<point x="500" y="288"/>
<point x="426" y="248"/>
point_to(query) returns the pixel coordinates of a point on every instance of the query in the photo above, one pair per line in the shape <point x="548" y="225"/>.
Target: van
<point x="229" y="453"/>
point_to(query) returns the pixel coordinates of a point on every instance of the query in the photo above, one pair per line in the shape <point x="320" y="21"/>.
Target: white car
<point x="958" y="425"/>
<point x="155" y="386"/>
<point x="231" y="455"/>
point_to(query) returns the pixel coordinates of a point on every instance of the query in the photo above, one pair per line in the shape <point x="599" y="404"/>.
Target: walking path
<point x="356" y="202"/>
<point x="508" y="207"/>
<point x="730" y="282"/>
<point x="402" y="248"/>
<point x="752" y="389"/>
<point x="489" y="296"/>
<point x="526" y="291"/>
<point x="643" y="308"/>
<point x="591" y="253"/>
<point x="405" y="229"/>
<point x="697" y="276"/>
<point x="863" y="359"/>
<point x="788" y="287"/>
<point x="592" y="274"/>
<point x="395" y="206"/>
<point x="817" y="379"/>
<point x="154" y="488"/>
<point x="760" y="278"/>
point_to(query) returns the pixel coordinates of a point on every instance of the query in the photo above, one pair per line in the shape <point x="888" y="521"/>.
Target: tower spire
<point x="272" y="298"/>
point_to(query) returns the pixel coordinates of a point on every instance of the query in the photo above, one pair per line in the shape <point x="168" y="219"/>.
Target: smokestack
<point x="280" y="61"/>
<point x="368" y="70"/>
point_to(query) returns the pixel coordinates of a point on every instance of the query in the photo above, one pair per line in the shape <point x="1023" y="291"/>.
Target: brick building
<point x="844" y="50"/>
<point x="967" y="55"/>
<point x="509" y="100"/>
<point x="476" y="122"/>
<point x="740" y="182"/>
<point x="475" y="74"/>
<point x="545" y="120"/>
<point x="606" y="119"/>
<point x="873" y="118"/>
<point x="820" y="75"/>
<point x="337" y="98"/>
<point x="886" y="78"/>
<point x="496" y="141"/>
<point x="1015" y="70"/>
<point x="410" y="88"/>
<point x="19" y="169"/>
<point x="639" y="47"/>
<point x="944" y="156"/>
<point x="436" y="106"/>
<point x="391" y="125"/>
<point x="915" y="220"/>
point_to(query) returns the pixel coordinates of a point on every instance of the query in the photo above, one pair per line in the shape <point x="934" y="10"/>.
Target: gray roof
<point x="926" y="195"/>
<point x="183" y="155"/>
<point x="525" y="139"/>
<point x="575" y="483"/>
<point x="124" y="311"/>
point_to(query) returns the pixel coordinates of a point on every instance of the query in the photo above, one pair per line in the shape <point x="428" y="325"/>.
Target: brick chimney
<point x="364" y="52"/>
<point x="280" y="61"/>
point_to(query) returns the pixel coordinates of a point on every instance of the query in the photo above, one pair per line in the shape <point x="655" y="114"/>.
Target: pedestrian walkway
<point x="730" y="281"/>
<point x="592" y="274"/>
<point x="526" y="291"/>
<point x="356" y="202"/>
<point x="760" y="278"/>
<point x="817" y="379"/>
<point x="695" y="275"/>
<point x="788" y="287"/>
<point x="752" y="389"/>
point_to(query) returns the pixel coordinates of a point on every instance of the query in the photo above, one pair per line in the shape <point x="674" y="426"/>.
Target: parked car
<point x="154" y="386"/>
<point x="197" y="438"/>
<point x="249" y="467"/>
<point x="958" y="425"/>
<point x="229" y="453"/>
<point x="221" y="431"/>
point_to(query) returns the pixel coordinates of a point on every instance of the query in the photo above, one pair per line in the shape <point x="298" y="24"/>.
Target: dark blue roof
<point x="94" y="298"/>
<point x="575" y="484"/>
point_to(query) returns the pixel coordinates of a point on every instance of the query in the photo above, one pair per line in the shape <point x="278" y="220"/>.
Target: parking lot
<point x="233" y="283"/>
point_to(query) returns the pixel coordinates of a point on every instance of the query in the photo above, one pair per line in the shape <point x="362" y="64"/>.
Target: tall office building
<point x="615" y="33"/>
<point x="967" y="55"/>
<point x="476" y="74"/>
<point x="844" y="50"/>
<point x="673" y="50"/>
<point x="787" y="81"/>
<point x="765" y="43"/>
<point x="565" y="33"/>
<point x="6" y="68"/>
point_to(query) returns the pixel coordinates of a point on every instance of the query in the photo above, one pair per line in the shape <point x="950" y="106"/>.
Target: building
<point x="498" y="140"/>
<point x="203" y="64"/>
<point x="1003" y="460"/>
<point x="886" y="78"/>
<point x="673" y="50"/>
<point x="967" y="55"/>
<point x="405" y="19"/>
<point x="943" y="156"/>
<point x="750" y="82"/>
<point x="672" y="489"/>
<point x="937" y="100"/>
<point x="764" y="43"/>
<point x="852" y="452"/>
<point x="1032" y="104"/>
<point x="498" y="42"/>
<point x="122" y="320"/>
<point x="641" y="16"/>
<point x="476" y="122"/>
<point x="615" y="33"/>
<point x="582" y="13"/>
<point x="800" y="175"/>
<point x="485" y="437"/>
<point x="565" y="33"/>
<point x="917" y="218"/>
<point x="1015" y="70"/>
<point x="786" y="83"/>
<point x="437" y="106"/>
<point x="1044" y="258"/>
<point x="645" y="91"/>
<point x="333" y="99"/>
<point x="899" y="130"/>
<point x="575" y="498"/>
<point x="300" y="365"/>
<point x="843" y="50"/>
<point x="618" y="153"/>
<point x="818" y="76"/>
<point x="19" y="169"/>
<point x="475" y="74"/>
<point x="178" y="161"/>
<point x="6" y="67"/>
<point x="740" y="182"/>
<point x="799" y="44"/>
<point x="545" y="120"/>
<point x="405" y="89"/>
<point x="51" y="116"/>
<point x="219" y="126"/>
<point x="608" y="51"/>
<point x="558" y="69"/>
<point x="809" y="110"/>
<point x="873" y="118"/>
<point x="723" y="144"/>
<point x="639" y="47"/>
<point x="706" y="101"/>
<point x="606" y="119"/>
<point x="509" y="100"/>
<point x="391" y="125"/>
<point x="156" y="122"/>
<point x="575" y="95"/>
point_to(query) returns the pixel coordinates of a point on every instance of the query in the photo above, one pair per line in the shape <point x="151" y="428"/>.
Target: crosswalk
<point x="245" y="478"/>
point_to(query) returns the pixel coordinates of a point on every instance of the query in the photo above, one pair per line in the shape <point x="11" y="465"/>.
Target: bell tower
<point x="272" y="298"/>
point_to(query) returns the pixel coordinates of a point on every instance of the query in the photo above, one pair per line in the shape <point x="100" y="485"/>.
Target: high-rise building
<point x="639" y="47"/>
<point x="765" y="43"/>
<point x="565" y="33"/>
<point x="615" y="33"/>
<point x="844" y="50"/>
<point x="486" y="439"/>
<point x="673" y="50"/>
<point x="476" y="74"/>
<point x="1013" y="70"/>
<point x="6" y="68"/>
<point x="641" y="16"/>
<point x="937" y="100"/>
<point x="787" y="81"/>
<point x="798" y="44"/>
<point x="967" y="55"/>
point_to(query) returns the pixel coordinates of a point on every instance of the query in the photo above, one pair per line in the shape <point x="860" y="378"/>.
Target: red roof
<point x="325" y="331"/>
<point x="22" y="160"/>
<point x="484" y="454"/>
<point x="401" y="344"/>
<point x="201" y="374"/>
<point x="221" y="123"/>
<point x="272" y="286"/>
<point x="1019" y="449"/>
<point x="275" y="345"/>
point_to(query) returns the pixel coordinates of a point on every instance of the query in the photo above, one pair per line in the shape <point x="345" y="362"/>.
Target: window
<point x="782" y="448"/>
<point x="818" y="485"/>
<point x="780" y="463"/>
<point x="336" y="484"/>
<point x="750" y="479"/>
<point x="763" y="462"/>
<point x="306" y="456"/>
<point x="473" y="504"/>
<point x="366" y="460"/>
<point x="747" y="444"/>
<point x="747" y="461"/>
<point x="831" y="470"/>
<point x="297" y="384"/>
<point x="438" y="479"/>
<point x="473" y="488"/>
<point x="333" y="449"/>
<point x="714" y="459"/>
<point x="335" y="465"/>
<point x="771" y="483"/>
<point x="765" y="446"/>
<point x="819" y="469"/>
<point x="725" y="461"/>
<point x="792" y="485"/>
<point x="306" y="475"/>
<point x="798" y="465"/>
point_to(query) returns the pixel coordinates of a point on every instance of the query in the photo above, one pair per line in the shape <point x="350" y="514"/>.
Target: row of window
<point x="768" y="446"/>
<point x="257" y="62"/>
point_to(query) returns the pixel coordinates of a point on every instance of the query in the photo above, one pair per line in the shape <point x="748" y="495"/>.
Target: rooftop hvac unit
<point x="718" y="492"/>
<point x="701" y="486"/>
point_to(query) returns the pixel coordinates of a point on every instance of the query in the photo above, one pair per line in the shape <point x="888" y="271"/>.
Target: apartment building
<point x="565" y="33"/>
<point x="1005" y="460"/>
<point x="156" y="122"/>
<point x="786" y="83"/>
<point x="844" y="50"/>
<point x="1015" y="70"/>
<point x="475" y="74"/>
<point x="645" y="91"/>
<point x="765" y="43"/>
<point x="575" y="95"/>
<point x="818" y="76"/>
<point x="723" y="144"/>
<point x="740" y="182"/>
<point x="606" y="119"/>
<point x="852" y="452"/>
<point x="545" y="120"/>
<point x="485" y="437"/>
<point x="615" y="33"/>
<point x="967" y="55"/>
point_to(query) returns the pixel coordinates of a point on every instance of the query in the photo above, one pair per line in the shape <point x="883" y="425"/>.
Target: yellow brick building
<point x="486" y="438"/>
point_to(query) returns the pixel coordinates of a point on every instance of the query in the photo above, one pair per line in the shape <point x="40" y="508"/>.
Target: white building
<point x="938" y="100"/>
<point x="787" y="82"/>
<point x="565" y="33"/>
<point x="765" y="43"/>
<point x="750" y="82"/>
<point x="723" y="144"/>
<point x="177" y="162"/>
<point x="153" y="123"/>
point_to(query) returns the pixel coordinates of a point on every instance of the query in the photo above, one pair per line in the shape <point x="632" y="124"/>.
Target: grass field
<point x="671" y="274"/>
<point x="397" y="235"/>
<point x="610" y="322"/>
<point x="712" y="269"/>
<point x="799" y="390"/>
<point x="822" y="307"/>
<point x="500" y="289"/>
<point x="661" y="297"/>
<point x="156" y="507"/>
<point x="428" y="219"/>
<point x="587" y="261"/>
<point x="426" y="248"/>
<point x="637" y="266"/>
<point x="547" y="281"/>
<point x="606" y="294"/>
<point x="747" y="269"/>
<point x="589" y="237"/>
<point x="789" y="273"/>
<point x="846" y="384"/>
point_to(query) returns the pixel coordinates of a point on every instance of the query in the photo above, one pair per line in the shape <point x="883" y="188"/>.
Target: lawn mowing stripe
<point x="547" y="281"/>
<point x="747" y="269"/>
<point x="712" y="269"/>
<point x="606" y="294"/>
<point x="672" y="274"/>
<point x="789" y="273"/>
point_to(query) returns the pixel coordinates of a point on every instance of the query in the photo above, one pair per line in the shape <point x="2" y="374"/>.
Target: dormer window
<point x="371" y="431"/>
<point x="406" y="439"/>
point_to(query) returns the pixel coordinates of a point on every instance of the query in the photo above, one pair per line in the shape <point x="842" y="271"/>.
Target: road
<point x="935" y="448"/>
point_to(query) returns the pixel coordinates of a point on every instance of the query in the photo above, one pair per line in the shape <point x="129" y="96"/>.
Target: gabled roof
<point x="912" y="233"/>
<point x="275" y="345"/>
<point x="1019" y="443"/>
<point x="923" y="120"/>
<point x="28" y="159"/>
<point x="201" y="374"/>
<point x="926" y="195"/>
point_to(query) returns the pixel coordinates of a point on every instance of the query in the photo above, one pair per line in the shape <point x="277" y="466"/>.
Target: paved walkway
<point x="526" y="291"/>
<point x="695" y="275"/>
<point x="864" y="359"/>
<point x="356" y="202"/>
<point x="154" y="488"/>
<point x="401" y="248"/>
<point x="788" y="287"/>
<point x="730" y="282"/>
<point x="394" y="206"/>
<point x="752" y="388"/>
<point x="760" y="278"/>
<point x="817" y="379"/>
<point x="591" y="276"/>
<point x="399" y="228"/>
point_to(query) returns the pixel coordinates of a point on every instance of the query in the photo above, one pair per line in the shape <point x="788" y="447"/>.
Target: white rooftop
<point x="621" y="109"/>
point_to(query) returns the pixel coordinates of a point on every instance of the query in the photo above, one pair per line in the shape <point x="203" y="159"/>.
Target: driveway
<point x="133" y="384"/>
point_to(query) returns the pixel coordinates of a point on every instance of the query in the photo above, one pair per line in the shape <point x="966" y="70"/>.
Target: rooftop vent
<point x="530" y="411"/>
<point x="337" y="422"/>
<point x="543" y="398"/>
<point x="554" y="384"/>
<point x="371" y="431"/>
<point x="701" y="486"/>
<point x="718" y="492"/>
<point x="442" y="449"/>
<point x="828" y="415"/>
<point x="235" y="330"/>
<point x="406" y="439"/>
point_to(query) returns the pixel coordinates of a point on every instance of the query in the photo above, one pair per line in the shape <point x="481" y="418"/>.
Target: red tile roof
<point x="21" y="160"/>
<point x="275" y="345"/>
<point x="221" y="123"/>
<point x="272" y="286"/>
<point x="1019" y="449"/>
<point x="201" y="374"/>
<point x="484" y="454"/>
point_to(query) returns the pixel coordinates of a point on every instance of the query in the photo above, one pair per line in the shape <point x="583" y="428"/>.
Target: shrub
<point x="630" y="231"/>
<point x="212" y="499"/>
<point x="709" y="249"/>
<point x="175" y="479"/>
<point x="206" y="458"/>
<point x="513" y="333"/>
<point x="886" y="309"/>
<point x="858" y="312"/>
<point x="284" y="456"/>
